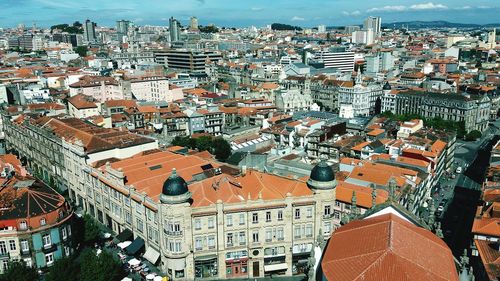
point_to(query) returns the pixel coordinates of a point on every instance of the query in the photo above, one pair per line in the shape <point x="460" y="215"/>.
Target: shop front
<point x="237" y="264"/>
<point x="300" y="258"/>
<point x="206" y="267"/>
<point x="275" y="261"/>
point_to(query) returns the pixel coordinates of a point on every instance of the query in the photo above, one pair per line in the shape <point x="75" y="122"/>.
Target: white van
<point x="459" y="170"/>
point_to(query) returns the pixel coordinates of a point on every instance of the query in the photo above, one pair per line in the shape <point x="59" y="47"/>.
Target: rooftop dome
<point x="322" y="177"/>
<point x="174" y="185"/>
<point x="387" y="86"/>
<point x="322" y="172"/>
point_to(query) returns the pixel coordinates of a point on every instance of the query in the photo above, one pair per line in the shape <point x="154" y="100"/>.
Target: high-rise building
<point x="375" y="23"/>
<point x="174" y="29"/>
<point x="122" y="26"/>
<point x="89" y="35"/>
<point x="321" y="28"/>
<point x="365" y="36"/>
<point x="349" y="29"/>
<point x="193" y="23"/>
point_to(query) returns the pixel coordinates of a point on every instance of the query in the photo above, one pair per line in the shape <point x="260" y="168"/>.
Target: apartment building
<point x="363" y="100"/>
<point x="35" y="220"/>
<point x="474" y="111"/>
<point x="208" y="224"/>
<point x="336" y="57"/>
<point x="154" y="88"/>
<point x="56" y="149"/>
<point x="101" y="88"/>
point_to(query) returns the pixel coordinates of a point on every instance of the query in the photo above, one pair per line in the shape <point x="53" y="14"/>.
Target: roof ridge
<point x="382" y="256"/>
<point x="418" y="265"/>
<point x="366" y="254"/>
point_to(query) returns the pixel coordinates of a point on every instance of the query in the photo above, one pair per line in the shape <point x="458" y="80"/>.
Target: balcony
<point x="25" y="253"/>
<point x="4" y="255"/>
<point x="173" y="233"/>
<point x="49" y="248"/>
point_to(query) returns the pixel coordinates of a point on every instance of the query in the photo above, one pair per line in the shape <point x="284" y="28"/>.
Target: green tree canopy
<point x="81" y="51"/>
<point x="221" y="148"/>
<point x="91" y="229"/>
<point x="217" y="146"/>
<point x="102" y="267"/>
<point x="19" y="271"/>
<point x="473" y="135"/>
<point x="204" y="143"/>
<point x="62" y="269"/>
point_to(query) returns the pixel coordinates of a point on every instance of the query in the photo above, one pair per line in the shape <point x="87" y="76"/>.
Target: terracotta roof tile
<point x="387" y="247"/>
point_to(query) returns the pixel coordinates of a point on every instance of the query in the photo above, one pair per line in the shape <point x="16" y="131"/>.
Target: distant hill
<point x="281" y="26"/>
<point x="437" y="24"/>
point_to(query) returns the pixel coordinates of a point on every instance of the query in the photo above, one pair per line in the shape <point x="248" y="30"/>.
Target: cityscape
<point x="215" y="140"/>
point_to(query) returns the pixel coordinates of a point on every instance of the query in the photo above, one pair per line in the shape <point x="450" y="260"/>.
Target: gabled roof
<point x="81" y="101"/>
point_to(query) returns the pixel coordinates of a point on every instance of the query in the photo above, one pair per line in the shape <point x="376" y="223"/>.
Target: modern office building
<point x="364" y="36"/>
<point x="122" y="26"/>
<point x="349" y="29"/>
<point x="35" y="221"/>
<point x="193" y="23"/>
<point x="335" y="57"/>
<point x="190" y="60"/>
<point x="380" y="62"/>
<point x="375" y="23"/>
<point x="89" y="35"/>
<point x="173" y="29"/>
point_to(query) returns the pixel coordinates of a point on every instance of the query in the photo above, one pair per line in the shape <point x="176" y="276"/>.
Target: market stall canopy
<point x="134" y="262"/>
<point x="135" y="247"/>
<point x="151" y="255"/>
<point x="124" y="244"/>
<point x="125" y="235"/>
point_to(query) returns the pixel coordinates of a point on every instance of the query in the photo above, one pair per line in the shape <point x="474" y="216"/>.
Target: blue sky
<point x="245" y="12"/>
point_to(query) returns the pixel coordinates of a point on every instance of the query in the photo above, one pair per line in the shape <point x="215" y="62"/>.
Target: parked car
<point x="459" y="170"/>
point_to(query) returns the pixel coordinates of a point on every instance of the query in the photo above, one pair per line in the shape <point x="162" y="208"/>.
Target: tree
<point x="102" y="267"/>
<point x="19" y="271"/>
<point x="62" y="268"/>
<point x="473" y="135"/>
<point x="221" y="149"/>
<point x="91" y="229"/>
<point x="81" y="51"/>
<point x="204" y="143"/>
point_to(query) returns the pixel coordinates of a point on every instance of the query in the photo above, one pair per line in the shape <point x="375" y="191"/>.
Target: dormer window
<point x="23" y="225"/>
<point x="43" y="221"/>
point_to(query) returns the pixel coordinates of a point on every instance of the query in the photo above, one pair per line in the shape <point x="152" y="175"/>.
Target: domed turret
<point x="387" y="86"/>
<point x="322" y="177"/>
<point x="175" y="189"/>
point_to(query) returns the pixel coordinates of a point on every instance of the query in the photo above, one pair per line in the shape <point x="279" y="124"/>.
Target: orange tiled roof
<point x="490" y="256"/>
<point x="387" y="247"/>
<point x="364" y="199"/>
<point x="376" y="132"/>
<point x="81" y="101"/>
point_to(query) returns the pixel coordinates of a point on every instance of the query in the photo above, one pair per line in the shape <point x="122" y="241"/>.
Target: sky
<point x="240" y="13"/>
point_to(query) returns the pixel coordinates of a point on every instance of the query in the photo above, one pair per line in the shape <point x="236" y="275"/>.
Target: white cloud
<point x="296" y="18"/>
<point x="387" y="9"/>
<point x="428" y="6"/>
<point x="415" y="7"/>
<point x="464" y="8"/>
<point x="257" y="9"/>
<point x="483" y="7"/>
<point x="353" y="13"/>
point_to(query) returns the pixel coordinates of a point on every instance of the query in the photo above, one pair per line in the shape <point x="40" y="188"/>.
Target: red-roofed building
<point x="387" y="247"/>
